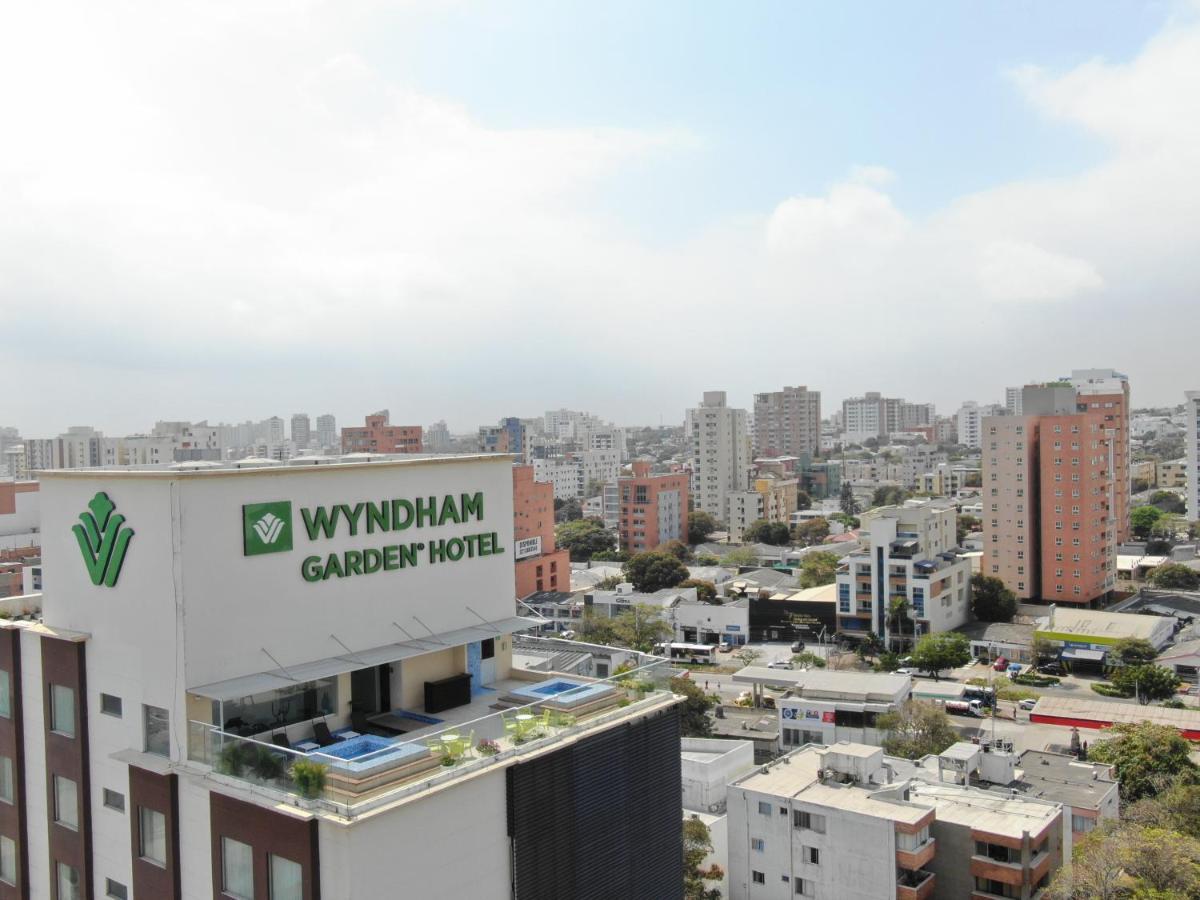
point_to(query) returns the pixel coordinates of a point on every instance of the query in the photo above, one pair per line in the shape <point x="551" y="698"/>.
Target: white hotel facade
<point x="209" y="633"/>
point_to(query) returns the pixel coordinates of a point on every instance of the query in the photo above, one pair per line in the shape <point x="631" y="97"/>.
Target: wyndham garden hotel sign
<point x="271" y="528"/>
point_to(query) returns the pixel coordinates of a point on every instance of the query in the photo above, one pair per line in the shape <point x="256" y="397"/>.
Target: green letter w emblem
<point x="102" y="540"/>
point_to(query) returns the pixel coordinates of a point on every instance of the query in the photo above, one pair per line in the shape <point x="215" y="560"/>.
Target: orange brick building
<point x="654" y="508"/>
<point x="380" y="436"/>
<point x="539" y="566"/>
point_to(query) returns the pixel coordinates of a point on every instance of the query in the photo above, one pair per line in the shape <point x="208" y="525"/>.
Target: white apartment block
<point x="911" y="555"/>
<point x="876" y="416"/>
<point x="787" y="422"/>
<point x="327" y="432"/>
<point x="573" y="474"/>
<point x="1012" y="401"/>
<point x="1192" y="444"/>
<point x="720" y="445"/>
<point x="970" y="422"/>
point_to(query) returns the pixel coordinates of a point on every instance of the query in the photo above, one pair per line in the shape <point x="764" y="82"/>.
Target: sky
<point x="232" y="209"/>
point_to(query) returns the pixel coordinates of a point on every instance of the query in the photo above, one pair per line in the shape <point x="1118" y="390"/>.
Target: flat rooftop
<point x="1105" y="711"/>
<point x="210" y="468"/>
<point x="1094" y="623"/>
<point x="984" y="810"/>
<point x="817" y="684"/>
<point x="1062" y="779"/>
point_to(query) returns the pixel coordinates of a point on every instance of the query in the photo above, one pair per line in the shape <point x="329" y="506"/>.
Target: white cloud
<point x="1019" y="271"/>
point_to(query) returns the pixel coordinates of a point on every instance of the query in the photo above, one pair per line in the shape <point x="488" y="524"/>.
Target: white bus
<point x="693" y="653"/>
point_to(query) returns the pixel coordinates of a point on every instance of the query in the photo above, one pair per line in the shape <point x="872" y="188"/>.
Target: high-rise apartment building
<point x="379" y="435"/>
<point x="303" y="719"/>
<point x="720" y="446"/>
<point x="1012" y="400"/>
<point x="580" y="474"/>
<point x="327" y="433"/>
<point x="301" y="431"/>
<point x="507" y="437"/>
<point x="437" y="437"/>
<point x="970" y="418"/>
<point x="787" y="422"/>
<point x="1106" y="392"/>
<point x="539" y="566"/>
<point x="654" y="508"/>
<point x="875" y="416"/>
<point x="1191" y="441"/>
<point x="1051" y="491"/>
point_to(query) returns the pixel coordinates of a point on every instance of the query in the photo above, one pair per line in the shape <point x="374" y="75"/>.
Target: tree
<point x="818" y="568"/>
<point x="1147" y="758"/>
<point x="748" y="656"/>
<point x="706" y="591"/>
<point x="677" y="549"/>
<point x="1120" y="859"/>
<point x="583" y="537"/>
<point x="897" y="615"/>
<point x="1143" y="519"/>
<point x="1168" y="502"/>
<point x="991" y="601"/>
<point x="846" y="501"/>
<point x="697" y="845"/>
<point x="966" y="524"/>
<point x="707" y="559"/>
<point x="612" y="556"/>
<point x="610" y="583"/>
<point x="567" y="510"/>
<point x="654" y="570"/>
<point x="889" y="495"/>
<point x="700" y="526"/>
<point x="1174" y="577"/>
<point x="941" y="650"/>
<point x="777" y="534"/>
<point x="693" y="713"/>
<point x="1149" y="682"/>
<point x="849" y="522"/>
<point x="1131" y="651"/>
<point x="1043" y="649"/>
<point x="808" y="660"/>
<point x="811" y="531"/>
<point x="1177" y="809"/>
<point x="740" y="556"/>
<point x="1137" y="485"/>
<point x="641" y="627"/>
<point x="803" y="500"/>
<point x="916" y="730"/>
<point x="594" y="628"/>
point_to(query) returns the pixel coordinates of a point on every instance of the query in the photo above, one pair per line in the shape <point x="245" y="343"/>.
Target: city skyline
<point x="343" y="203"/>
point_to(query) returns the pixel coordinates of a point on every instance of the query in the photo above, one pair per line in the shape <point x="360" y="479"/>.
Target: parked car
<point x="1028" y="703"/>
<point x="780" y="664"/>
<point x="725" y="648"/>
<point x="1000" y="664"/>
<point x="798" y="647"/>
<point x="906" y="661"/>
<point x="1051" y="668"/>
<point x="906" y="671"/>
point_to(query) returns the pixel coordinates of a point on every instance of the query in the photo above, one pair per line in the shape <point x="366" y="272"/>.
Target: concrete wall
<point x="704" y="782"/>
<point x="416" y="670"/>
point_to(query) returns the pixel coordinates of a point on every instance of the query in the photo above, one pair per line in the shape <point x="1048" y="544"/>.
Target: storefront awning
<point x="1079" y="654"/>
<point x="289" y="675"/>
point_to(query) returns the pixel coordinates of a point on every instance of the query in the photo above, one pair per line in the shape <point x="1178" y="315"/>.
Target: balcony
<point x="916" y="885"/>
<point x="359" y="772"/>
<point x="918" y="857"/>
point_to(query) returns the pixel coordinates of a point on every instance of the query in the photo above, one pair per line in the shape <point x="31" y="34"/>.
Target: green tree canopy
<point x="803" y="500"/>
<point x="706" y="591"/>
<point x="697" y="845"/>
<point x="740" y="556"/>
<point x="811" y="531"/>
<point x="1149" y="682"/>
<point x="1169" y="502"/>
<point x="941" y="650"/>
<point x="965" y="525"/>
<point x="583" y="537"/>
<point x="1147" y="758"/>
<point x="991" y="601"/>
<point x="846" y="500"/>
<point x="707" y="559"/>
<point x="641" y="627"/>
<point x="700" y="526"/>
<point x="889" y="495"/>
<point x="916" y="730"/>
<point x="693" y="714"/>
<point x="567" y="510"/>
<point x="1174" y="577"/>
<point x="677" y="549"/>
<point x="748" y="656"/>
<point x="818" y="568"/>
<point x="594" y="628"/>
<point x="611" y="556"/>
<point x="1121" y="860"/>
<point x="777" y="534"/>
<point x="654" y="570"/>
<point x="1131" y="650"/>
<point x="848" y="520"/>
<point x="1143" y="519"/>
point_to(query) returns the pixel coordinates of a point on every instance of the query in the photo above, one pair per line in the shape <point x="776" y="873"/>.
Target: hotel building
<point x="297" y="681"/>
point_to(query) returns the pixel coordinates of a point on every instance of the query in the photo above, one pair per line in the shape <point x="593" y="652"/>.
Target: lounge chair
<point x="279" y="739"/>
<point x="322" y="735"/>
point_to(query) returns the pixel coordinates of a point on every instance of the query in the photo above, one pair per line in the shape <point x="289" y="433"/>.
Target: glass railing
<point x="351" y="785"/>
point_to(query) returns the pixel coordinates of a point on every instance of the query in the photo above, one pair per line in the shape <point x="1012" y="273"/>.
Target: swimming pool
<point x="564" y="692"/>
<point x="368" y="752"/>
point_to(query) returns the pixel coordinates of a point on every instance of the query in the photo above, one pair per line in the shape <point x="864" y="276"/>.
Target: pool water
<point x="355" y="747"/>
<point x="564" y="693"/>
<point x="368" y="753"/>
<point x="555" y="687"/>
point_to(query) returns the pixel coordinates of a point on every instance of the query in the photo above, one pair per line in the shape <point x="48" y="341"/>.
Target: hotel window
<point x="5" y="694"/>
<point x="758" y="877"/>
<point x="115" y="889"/>
<point x="811" y="821"/>
<point x="812" y="856"/>
<point x="66" y="803"/>
<point x="758" y="845"/>
<point x="152" y="836"/>
<point x="62" y="710"/>
<point x="68" y="882"/>
<point x="156" y="730"/>
<point x="8" y="860"/>
<point x="287" y="881"/>
<point x="110" y="705"/>
<point x="6" y="779"/>
<point x="114" y="800"/>
<point x="237" y="869"/>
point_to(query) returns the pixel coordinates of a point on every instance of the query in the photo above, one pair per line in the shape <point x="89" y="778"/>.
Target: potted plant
<point x="267" y="764"/>
<point x="309" y="778"/>
<point x="235" y="756"/>
<point x="488" y="747"/>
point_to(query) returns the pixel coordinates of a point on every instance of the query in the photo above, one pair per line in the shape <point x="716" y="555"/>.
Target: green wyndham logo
<point x="267" y="527"/>
<point x="103" y="540"/>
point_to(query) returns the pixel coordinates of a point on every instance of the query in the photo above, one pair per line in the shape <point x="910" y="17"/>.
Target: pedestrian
<point x="706" y="684"/>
